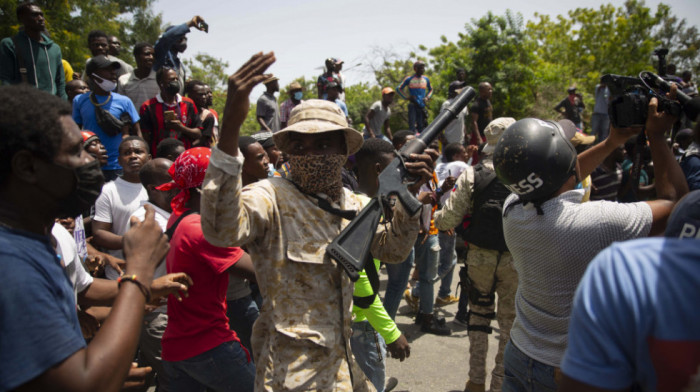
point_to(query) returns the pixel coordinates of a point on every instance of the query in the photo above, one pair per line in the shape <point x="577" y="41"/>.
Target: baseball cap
<point x="684" y="221"/>
<point x="575" y="136"/>
<point x="493" y="132"/>
<point x="387" y="90"/>
<point x="99" y="62"/>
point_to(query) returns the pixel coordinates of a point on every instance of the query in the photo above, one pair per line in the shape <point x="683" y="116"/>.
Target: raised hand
<point x="240" y="84"/>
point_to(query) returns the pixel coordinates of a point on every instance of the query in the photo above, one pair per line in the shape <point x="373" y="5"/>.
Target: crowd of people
<point x="146" y="244"/>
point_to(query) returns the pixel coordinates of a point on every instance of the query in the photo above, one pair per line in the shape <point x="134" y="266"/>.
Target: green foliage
<point x="208" y="69"/>
<point x="495" y="49"/>
<point x="69" y="22"/>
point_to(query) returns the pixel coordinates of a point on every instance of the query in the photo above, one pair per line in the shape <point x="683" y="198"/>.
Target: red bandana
<point x="187" y="172"/>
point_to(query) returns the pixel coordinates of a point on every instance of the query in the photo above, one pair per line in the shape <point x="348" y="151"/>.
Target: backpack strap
<point x="171" y="230"/>
<point x="22" y="65"/>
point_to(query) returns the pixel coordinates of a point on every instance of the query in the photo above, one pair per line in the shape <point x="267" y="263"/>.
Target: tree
<point x="209" y="70"/>
<point x="69" y="22"/>
<point x="494" y="49"/>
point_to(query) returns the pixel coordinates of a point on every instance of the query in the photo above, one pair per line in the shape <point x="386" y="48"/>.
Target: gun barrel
<point x="439" y="123"/>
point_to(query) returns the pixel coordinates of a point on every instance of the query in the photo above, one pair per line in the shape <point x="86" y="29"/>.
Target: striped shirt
<point x="606" y="182"/>
<point x="153" y="120"/>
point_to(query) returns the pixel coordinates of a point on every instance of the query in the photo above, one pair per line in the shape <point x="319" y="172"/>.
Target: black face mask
<point x="89" y="181"/>
<point x="172" y="88"/>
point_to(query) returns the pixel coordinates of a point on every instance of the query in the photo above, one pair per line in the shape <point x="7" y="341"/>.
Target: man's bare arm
<point x="103" y="236"/>
<point x="105" y="363"/>
<point x="240" y="84"/>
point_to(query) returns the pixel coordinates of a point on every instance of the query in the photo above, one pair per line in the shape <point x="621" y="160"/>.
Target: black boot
<point x="434" y="325"/>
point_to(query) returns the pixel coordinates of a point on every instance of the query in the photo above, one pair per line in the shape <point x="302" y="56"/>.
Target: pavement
<point x="437" y="363"/>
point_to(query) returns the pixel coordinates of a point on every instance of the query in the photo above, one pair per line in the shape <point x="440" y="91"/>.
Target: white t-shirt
<point x="454" y="132"/>
<point x="451" y="169"/>
<point x="67" y="250"/>
<point x="162" y="217"/>
<point x="118" y="200"/>
<point x="551" y="253"/>
<point x="381" y="114"/>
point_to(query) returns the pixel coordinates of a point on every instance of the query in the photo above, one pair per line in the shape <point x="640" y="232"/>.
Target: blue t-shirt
<point x="418" y="86"/>
<point x="38" y="322"/>
<point x="84" y="115"/>
<point x="636" y="317"/>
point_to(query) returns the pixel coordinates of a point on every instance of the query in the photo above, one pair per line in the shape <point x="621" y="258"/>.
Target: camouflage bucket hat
<point x="318" y="116"/>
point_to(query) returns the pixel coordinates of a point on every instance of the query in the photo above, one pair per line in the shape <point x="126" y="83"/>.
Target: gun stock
<point x="353" y="244"/>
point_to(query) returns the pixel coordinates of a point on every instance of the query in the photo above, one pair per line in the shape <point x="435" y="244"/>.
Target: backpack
<point x="485" y="229"/>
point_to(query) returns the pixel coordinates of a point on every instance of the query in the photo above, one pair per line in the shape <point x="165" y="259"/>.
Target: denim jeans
<point x="600" y="123"/>
<point x="396" y="284"/>
<point x="416" y="118"/>
<point x="369" y="349"/>
<point x="241" y="314"/>
<point x="223" y="368"/>
<point x="448" y="260"/>
<point x="524" y="374"/>
<point x="427" y="257"/>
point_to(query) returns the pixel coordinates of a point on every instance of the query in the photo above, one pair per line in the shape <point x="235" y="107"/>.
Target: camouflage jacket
<point x="301" y="340"/>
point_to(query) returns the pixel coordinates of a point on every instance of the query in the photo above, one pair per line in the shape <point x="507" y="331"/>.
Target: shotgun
<point x="352" y="246"/>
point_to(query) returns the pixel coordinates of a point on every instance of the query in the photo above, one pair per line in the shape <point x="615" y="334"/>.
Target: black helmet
<point x="534" y="159"/>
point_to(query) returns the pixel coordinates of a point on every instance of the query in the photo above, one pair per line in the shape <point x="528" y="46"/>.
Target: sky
<point x="303" y="33"/>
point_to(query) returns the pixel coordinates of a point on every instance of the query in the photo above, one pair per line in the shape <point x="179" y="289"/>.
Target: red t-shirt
<point x="199" y="322"/>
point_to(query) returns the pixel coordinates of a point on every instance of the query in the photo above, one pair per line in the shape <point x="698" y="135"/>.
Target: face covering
<point x="89" y="181"/>
<point x="106" y="85"/>
<point x="172" y="88"/>
<point x="318" y="173"/>
<point x="298" y="95"/>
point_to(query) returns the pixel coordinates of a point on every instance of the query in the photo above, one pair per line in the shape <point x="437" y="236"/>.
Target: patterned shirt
<point x="286" y="109"/>
<point x="418" y="87"/>
<point x="551" y="253"/>
<point x="153" y="120"/>
<point x="301" y="339"/>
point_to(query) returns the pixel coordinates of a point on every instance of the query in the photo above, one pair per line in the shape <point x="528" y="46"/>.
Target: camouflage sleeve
<point x="458" y="204"/>
<point x="393" y="242"/>
<point x="231" y="217"/>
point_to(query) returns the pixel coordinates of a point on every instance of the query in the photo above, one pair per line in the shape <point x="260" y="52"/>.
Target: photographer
<point x="544" y="217"/>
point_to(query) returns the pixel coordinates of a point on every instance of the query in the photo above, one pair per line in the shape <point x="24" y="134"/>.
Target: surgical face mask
<point x="106" y="85"/>
<point x="298" y="95"/>
<point x="89" y="181"/>
<point x="172" y="88"/>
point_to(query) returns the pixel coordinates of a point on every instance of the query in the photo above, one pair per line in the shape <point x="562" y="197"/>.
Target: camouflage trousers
<point x="480" y="316"/>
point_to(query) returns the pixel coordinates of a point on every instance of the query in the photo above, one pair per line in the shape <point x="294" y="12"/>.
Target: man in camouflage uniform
<point x="485" y="267"/>
<point x="301" y="339"/>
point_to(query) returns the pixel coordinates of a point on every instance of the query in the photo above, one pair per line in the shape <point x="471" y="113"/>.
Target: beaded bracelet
<point x="132" y="278"/>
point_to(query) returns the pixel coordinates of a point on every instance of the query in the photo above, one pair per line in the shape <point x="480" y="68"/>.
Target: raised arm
<point x="225" y="219"/>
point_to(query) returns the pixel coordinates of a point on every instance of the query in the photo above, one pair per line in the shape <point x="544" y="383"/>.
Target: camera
<point x="631" y="96"/>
